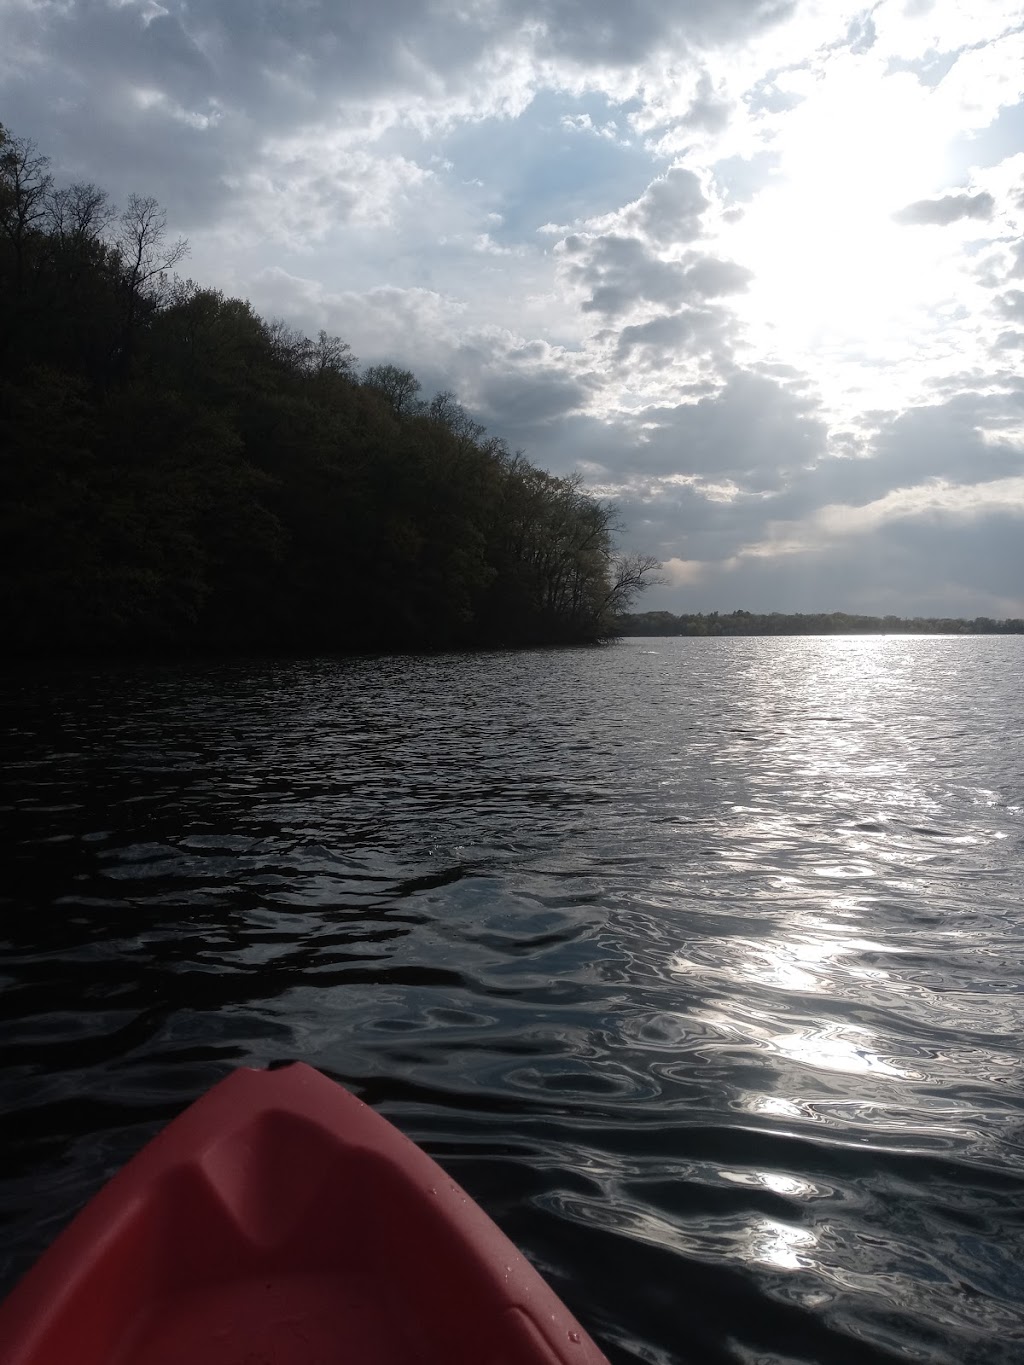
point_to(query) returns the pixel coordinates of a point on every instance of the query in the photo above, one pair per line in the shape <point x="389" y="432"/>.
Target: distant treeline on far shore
<point x="815" y="623"/>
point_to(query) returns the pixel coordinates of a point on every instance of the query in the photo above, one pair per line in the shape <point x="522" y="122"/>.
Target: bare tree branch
<point x="445" y="408"/>
<point x="632" y="575"/>
<point x="140" y="243"/>
<point x="331" y="355"/>
<point x="77" y="214"/>
<point x="24" y="186"/>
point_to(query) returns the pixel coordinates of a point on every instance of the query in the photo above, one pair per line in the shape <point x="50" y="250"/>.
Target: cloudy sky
<point x="754" y="267"/>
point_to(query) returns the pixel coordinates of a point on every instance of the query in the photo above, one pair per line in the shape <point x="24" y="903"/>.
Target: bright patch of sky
<point x="756" y="268"/>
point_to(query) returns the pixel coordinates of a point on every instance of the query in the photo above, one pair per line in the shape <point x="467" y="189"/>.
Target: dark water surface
<point x="698" y="962"/>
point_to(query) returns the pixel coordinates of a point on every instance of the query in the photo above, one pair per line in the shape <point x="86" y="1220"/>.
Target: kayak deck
<point x="279" y="1221"/>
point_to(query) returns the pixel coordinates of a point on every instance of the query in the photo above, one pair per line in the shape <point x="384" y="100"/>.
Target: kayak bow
<point x="279" y="1221"/>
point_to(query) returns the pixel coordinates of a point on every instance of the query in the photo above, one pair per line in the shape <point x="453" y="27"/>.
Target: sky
<point x="754" y="268"/>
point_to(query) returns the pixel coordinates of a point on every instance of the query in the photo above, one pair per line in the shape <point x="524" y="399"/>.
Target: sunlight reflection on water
<point x="699" y="966"/>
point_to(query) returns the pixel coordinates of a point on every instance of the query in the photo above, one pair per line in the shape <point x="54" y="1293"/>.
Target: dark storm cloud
<point x="948" y="209"/>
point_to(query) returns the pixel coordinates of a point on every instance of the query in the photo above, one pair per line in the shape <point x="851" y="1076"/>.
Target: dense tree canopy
<point x="176" y="472"/>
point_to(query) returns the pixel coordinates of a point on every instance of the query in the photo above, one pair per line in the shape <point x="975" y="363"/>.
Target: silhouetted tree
<point x="179" y="473"/>
<point x="145" y="258"/>
<point x="25" y="184"/>
<point x="398" y="387"/>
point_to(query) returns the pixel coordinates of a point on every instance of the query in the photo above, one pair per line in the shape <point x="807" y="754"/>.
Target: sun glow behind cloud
<point x="695" y="252"/>
<point x="833" y="271"/>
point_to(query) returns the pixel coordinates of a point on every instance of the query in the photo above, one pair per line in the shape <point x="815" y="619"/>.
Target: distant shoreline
<point x="664" y="623"/>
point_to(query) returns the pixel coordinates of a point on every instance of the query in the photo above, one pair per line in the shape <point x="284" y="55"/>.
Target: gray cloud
<point x="612" y="33"/>
<point x="670" y="208"/>
<point x="950" y="440"/>
<point x="264" y="64"/>
<point x="279" y="123"/>
<point x="659" y="343"/>
<point x="620" y="272"/>
<point x="862" y="34"/>
<point x="708" y="277"/>
<point x="948" y="209"/>
<point x="519" y="400"/>
<point x="707" y="112"/>
<point x="1011" y="305"/>
<point x="937" y="564"/>
<point x="942" y="441"/>
<point x="920" y="554"/>
<point x="940" y="565"/>
<point x="681" y="522"/>
<point x="753" y="431"/>
<point x="180" y="100"/>
<point x="947" y="566"/>
<point x="621" y="268"/>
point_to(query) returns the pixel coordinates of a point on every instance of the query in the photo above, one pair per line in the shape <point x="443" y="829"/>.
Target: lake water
<point x="698" y="962"/>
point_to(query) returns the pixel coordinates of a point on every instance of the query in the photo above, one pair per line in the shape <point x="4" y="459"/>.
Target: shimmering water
<point x="699" y="963"/>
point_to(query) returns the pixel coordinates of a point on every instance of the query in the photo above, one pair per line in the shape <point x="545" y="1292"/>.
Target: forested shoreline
<point x="810" y="623"/>
<point x="179" y="474"/>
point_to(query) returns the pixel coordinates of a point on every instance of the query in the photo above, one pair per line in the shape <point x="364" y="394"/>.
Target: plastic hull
<point x="279" y="1221"/>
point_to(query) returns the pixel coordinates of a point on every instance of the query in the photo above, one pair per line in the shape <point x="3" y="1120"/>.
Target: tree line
<point x="177" y="472"/>
<point x="816" y="623"/>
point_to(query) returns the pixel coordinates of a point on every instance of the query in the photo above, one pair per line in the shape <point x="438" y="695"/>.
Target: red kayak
<point x="279" y="1221"/>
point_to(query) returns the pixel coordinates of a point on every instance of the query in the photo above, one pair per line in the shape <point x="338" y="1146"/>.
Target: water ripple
<point x="698" y="966"/>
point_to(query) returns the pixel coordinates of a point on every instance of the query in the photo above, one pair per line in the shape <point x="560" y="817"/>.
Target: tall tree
<point x="145" y="258"/>
<point x="179" y="473"/>
<point x="25" y="183"/>
<point x="398" y="387"/>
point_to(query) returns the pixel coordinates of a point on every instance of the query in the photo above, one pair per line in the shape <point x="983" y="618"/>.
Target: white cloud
<point x="731" y="326"/>
<point x="938" y="499"/>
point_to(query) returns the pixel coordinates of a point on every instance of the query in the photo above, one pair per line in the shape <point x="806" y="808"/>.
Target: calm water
<point x="699" y="963"/>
